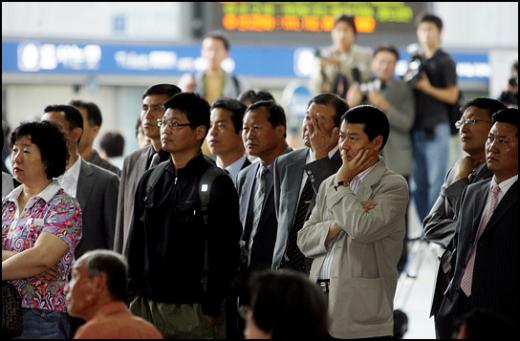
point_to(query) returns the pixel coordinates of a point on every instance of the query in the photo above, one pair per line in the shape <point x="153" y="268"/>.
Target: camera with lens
<point x="415" y="65"/>
<point x="365" y="88"/>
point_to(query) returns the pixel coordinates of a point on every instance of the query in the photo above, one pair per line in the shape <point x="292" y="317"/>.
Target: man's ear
<point x="95" y="131"/>
<point x="76" y="134"/>
<point x="377" y="143"/>
<point x="99" y="282"/>
<point x="280" y="130"/>
<point x="200" y="132"/>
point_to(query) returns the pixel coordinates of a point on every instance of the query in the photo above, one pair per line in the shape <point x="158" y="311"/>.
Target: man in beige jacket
<point x="356" y="230"/>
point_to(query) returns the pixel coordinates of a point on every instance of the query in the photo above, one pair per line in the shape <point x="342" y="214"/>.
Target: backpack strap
<point x="206" y="182"/>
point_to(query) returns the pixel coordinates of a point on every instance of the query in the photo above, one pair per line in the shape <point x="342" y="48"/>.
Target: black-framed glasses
<point x="245" y="312"/>
<point x="468" y="121"/>
<point x="171" y="124"/>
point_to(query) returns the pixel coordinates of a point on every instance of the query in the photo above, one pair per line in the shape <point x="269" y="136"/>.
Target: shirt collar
<point x="235" y="167"/>
<point x="46" y="194"/>
<point x="311" y="157"/>
<point x="504" y="185"/>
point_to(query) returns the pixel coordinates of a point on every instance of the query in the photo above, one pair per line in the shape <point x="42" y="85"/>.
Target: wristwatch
<point x="341" y="183"/>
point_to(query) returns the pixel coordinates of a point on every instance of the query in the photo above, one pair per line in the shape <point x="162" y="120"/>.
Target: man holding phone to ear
<point x="355" y="232"/>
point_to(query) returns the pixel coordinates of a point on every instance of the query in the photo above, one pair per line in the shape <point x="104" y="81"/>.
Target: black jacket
<point x="167" y="241"/>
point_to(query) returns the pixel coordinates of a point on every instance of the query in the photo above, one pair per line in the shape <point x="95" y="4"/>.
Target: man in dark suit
<point x="439" y="225"/>
<point x="225" y="136"/>
<point x="95" y="188"/>
<point x="139" y="161"/>
<point x="263" y="132"/>
<point x="487" y="269"/>
<point x="298" y="175"/>
<point x="92" y="120"/>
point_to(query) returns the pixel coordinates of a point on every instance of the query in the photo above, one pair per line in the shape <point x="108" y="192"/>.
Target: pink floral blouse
<point x="51" y="211"/>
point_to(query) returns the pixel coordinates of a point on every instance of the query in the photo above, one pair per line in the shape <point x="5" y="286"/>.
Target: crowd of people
<point x="216" y="228"/>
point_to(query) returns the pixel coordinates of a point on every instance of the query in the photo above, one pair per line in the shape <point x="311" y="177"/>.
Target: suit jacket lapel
<point x="294" y="181"/>
<point x="365" y="190"/>
<point x="482" y="193"/>
<point x="247" y="192"/>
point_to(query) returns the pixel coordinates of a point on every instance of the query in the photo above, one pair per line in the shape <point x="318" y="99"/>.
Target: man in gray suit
<point x="263" y="133"/>
<point x="298" y="175"/>
<point x="139" y="161"/>
<point x="395" y="98"/>
<point x="356" y="228"/>
<point x="95" y="188"/>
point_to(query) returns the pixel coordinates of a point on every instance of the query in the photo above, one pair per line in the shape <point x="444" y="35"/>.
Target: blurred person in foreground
<point x="439" y="225"/>
<point x="97" y="293"/>
<point x="356" y="229"/>
<point x="285" y="305"/>
<point x="251" y="96"/>
<point x="41" y="227"/>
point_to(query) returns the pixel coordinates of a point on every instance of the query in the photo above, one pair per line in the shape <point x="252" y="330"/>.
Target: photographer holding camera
<point x="395" y="98"/>
<point x="436" y="91"/>
<point x="343" y="63"/>
<point x="510" y="95"/>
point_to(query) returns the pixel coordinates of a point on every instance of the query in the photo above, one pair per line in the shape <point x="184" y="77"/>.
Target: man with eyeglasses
<point x="486" y="273"/>
<point x="135" y="164"/>
<point x="439" y="225"/>
<point x="173" y="247"/>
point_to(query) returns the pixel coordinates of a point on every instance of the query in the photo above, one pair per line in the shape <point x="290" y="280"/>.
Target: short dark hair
<point x="193" y="105"/>
<point x="490" y="104"/>
<point x="374" y="120"/>
<point x="113" y="143"/>
<point x="508" y="115"/>
<point x="168" y="90"/>
<point x="276" y="113"/>
<point x="254" y="96"/>
<point x="219" y="36"/>
<point x="72" y="114"/>
<point x="113" y="265"/>
<point x="137" y="126"/>
<point x="94" y="116"/>
<point x="347" y="19"/>
<point x="51" y="142"/>
<point x="236" y="108"/>
<point x="428" y="17"/>
<point x="288" y="305"/>
<point x="387" y="48"/>
<point x="485" y="324"/>
<point x="339" y="105"/>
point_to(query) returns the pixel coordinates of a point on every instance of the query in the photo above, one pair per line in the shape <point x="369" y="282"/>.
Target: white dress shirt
<point x="69" y="180"/>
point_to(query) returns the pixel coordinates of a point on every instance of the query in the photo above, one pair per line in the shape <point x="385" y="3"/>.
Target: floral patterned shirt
<point x="51" y="211"/>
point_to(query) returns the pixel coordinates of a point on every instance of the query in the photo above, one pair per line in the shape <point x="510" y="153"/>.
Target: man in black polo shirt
<point x="169" y="242"/>
<point x="434" y="92"/>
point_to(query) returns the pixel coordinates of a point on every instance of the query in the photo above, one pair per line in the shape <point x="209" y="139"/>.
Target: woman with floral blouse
<point x="41" y="227"/>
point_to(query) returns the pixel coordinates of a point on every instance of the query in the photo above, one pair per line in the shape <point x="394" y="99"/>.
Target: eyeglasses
<point x="468" y="121"/>
<point x="171" y="124"/>
<point x="245" y="312"/>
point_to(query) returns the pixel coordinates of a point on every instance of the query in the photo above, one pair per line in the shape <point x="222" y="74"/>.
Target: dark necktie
<point x="257" y="206"/>
<point x="296" y="260"/>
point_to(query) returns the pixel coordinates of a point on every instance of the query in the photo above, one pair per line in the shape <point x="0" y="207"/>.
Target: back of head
<point x="275" y="111"/>
<point x="167" y="90"/>
<point x="72" y="114"/>
<point x="94" y="116"/>
<point x="333" y="100"/>
<point x="251" y="96"/>
<point x="485" y="325"/>
<point x="490" y="104"/>
<point x="113" y="143"/>
<point x="432" y="18"/>
<point x="195" y="107"/>
<point x="51" y="143"/>
<point x="374" y="120"/>
<point x="287" y="305"/>
<point x="234" y="106"/>
<point x="113" y="265"/>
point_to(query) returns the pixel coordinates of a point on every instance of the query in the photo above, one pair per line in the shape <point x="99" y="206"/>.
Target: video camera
<point x="415" y="65"/>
